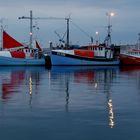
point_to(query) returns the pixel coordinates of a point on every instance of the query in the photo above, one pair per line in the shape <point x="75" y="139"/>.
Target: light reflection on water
<point x="70" y="103"/>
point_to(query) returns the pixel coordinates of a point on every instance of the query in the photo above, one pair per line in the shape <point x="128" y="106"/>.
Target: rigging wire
<point x="91" y="38"/>
<point x="80" y="29"/>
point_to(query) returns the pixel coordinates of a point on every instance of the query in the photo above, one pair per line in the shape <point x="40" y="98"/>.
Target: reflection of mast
<point x="111" y="114"/>
<point x="30" y="89"/>
<point x="67" y="94"/>
<point x="110" y="110"/>
<point x="108" y="76"/>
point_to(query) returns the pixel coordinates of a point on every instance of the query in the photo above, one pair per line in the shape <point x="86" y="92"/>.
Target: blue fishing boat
<point x="94" y="54"/>
<point x="99" y="55"/>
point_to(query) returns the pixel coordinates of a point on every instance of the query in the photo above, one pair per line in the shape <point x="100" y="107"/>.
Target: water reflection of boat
<point x="99" y="79"/>
<point x="66" y="69"/>
<point x="9" y="84"/>
<point x="13" y="77"/>
<point x="89" y="73"/>
<point x="130" y="68"/>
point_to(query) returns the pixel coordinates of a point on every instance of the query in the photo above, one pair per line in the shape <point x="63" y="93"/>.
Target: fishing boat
<point x="95" y="54"/>
<point x="99" y="55"/>
<point x="130" y="54"/>
<point x="16" y="53"/>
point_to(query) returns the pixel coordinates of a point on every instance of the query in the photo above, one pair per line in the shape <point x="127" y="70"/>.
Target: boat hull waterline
<point x="7" y="61"/>
<point x="60" y="60"/>
<point x="129" y="60"/>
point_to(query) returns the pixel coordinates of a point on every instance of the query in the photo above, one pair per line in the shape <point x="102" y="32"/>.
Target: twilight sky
<point x="89" y="15"/>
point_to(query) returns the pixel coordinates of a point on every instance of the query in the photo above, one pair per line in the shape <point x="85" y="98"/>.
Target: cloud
<point x="88" y="14"/>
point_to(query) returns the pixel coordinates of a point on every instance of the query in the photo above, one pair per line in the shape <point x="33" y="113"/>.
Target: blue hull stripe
<point x="76" y="60"/>
<point x="7" y="61"/>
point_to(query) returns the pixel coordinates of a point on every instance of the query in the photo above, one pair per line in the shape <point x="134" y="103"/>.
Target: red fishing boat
<point x="16" y="53"/>
<point x="130" y="55"/>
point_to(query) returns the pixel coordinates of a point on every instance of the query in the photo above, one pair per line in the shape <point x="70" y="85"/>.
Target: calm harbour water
<point x="70" y="103"/>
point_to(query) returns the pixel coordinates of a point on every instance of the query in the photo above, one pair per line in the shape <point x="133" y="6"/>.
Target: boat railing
<point x="127" y="48"/>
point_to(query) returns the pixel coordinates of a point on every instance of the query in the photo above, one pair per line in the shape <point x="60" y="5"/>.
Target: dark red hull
<point x="129" y="60"/>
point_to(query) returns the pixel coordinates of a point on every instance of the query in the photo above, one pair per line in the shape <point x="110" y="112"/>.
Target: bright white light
<point x="96" y="85"/>
<point x="96" y="33"/>
<point x="30" y="33"/>
<point x="30" y="85"/>
<point x="112" y="14"/>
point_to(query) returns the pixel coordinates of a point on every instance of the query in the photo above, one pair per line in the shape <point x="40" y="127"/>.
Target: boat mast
<point x="1" y="30"/>
<point x="31" y="18"/>
<point x="109" y="35"/>
<point x="108" y="38"/>
<point x="139" y="41"/>
<point x="1" y="33"/>
<point x="67" y="42"/>
<point x="31" y="26"/>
